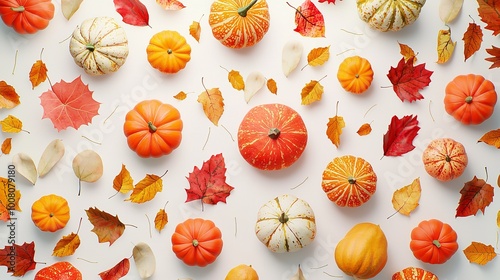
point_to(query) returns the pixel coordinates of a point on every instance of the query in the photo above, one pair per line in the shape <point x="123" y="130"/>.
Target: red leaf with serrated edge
<point x="18" y="259"/>
<point x="495" y="57"/>
<point x="209" y="182"/>
<point x="489" y="11"/>
<point x="328" y="1"/>
<point x="400" y="134"/>
<point x="133" y="12"/>
<point x="476" y="195"/>
<point x="309" y="20"/>
<point x="116" y="272"/>
<point x="473" y="37"/>
<point x="408" y="80"/>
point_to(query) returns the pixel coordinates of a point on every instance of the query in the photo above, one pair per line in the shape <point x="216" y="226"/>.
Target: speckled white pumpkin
<point x="389" y="15"/>
<point x="99" y="45"/>
<point x="285" y="224"/>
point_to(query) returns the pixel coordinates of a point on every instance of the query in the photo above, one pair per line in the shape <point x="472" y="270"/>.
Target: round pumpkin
<point x="272" y="136"/>
<point x="389" y="15"/>
<point x="99" y="45"/>
<point x="445" y="159"/>
<point x="197" y="242"/>
<point x="26" y="16"/>
<point x="242" y="272"/>
<point x="59" y="271"/>
<point x="349" y="181"/>
<point x="355" y="74"/>
<point x="433" y="241"/>
<point x="50" y="212"/>
<point x="470" y="98"/>
<point x="239" y="23"/>
<point x="414" y="273"/>
<point x="153" y="128"/>
<point x="168" y="51"/>
<point x="362" y="252"/>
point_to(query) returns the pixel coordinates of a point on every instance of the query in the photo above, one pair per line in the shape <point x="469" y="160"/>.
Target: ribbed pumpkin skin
<point x="234" y="30"/>
<point x="33" y="15"/>
<point x="445" y="159"/>
<point x="470" y="98"/>
<point x="433" y="241"/>
<point x="355" y="74"/>
<point x="59" y="271"/>
<point x="362" y="253"/>
<point x="50" y="212"/>
<point x="349" y="181"/>
<point x="168" y="51"/>
<point x="389" y="15"/>
<point x="414" y="273"/>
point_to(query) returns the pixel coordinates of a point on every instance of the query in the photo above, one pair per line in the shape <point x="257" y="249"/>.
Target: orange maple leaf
<point x="489" y="11"/>
<point x="495" y="57"/>
<point x="108" y="228"/>
<point x="476" y="195"/>
<point x="8" y="96"/>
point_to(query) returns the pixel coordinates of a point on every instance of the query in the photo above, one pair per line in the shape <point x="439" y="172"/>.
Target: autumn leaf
<point x="311" y="92"/>
<point x="8" y="96"/>
<point x="25" y="166"/>
<point x="208" y="184"/>
<point x="491" y="138"/>
<point x="476" y="195"/>
<point x="133" y="12"/>
<point x="67" y="245"/>
<point x="50" y="157"/>
<point x="161" y="219"/>
<point x="116" y="272"/>
<point x="147" y="188"/>
<point x="69" y="104"/>
<point x="24" y="258"/>
<point x="271" y="86"/>
<point x="449" y="10"/>
<point x="212" y="103"/>
<point x="489" y="11"/>
<point x="445" y="46"/>
<point x="108" y="228"/>
<point x="318" y="56"/>
<point x="407" y="52"/>
<point x="195" y="30"/>
<point x="6" y="194"/>
<point x="479" y="253"/>
<point x="334" y="128"/>
<point x="400" y="134"/>
<point x="123" y="182"/>
<point x="290" y="56"/>
<point x="364" y="129"/>
<point x="408" y="79"/>
<point x="253" y="83"/>
<point x="327" y="1"/>
<point x="69" y="7"/>
<point x="234" y="77"/>
<point x="38" y="73"/>
<point x="405" y="199"/>
<point x="180" y="95"/>
<point x="6" y="146"/>
<point x="11" y="124"/>
<point x="171" y="5"/>
<point x="309" y="20"/>
<point x="473" y="37"/>
<point x="4" y="213"/>
<point x="495" y="57"/>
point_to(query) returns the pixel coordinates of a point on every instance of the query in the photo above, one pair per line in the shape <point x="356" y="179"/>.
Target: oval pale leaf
<point x="291" y="55"/>
<point x="449" y="10"/>
<point x="144" y="259"/>
<point x="87" y="166"/>
<point x="254" y="82"/>
<point x="25" y="166"/>
<point x="69" y="7"/>
<point x="299" y="275"/>
<point x="50" y="156"/>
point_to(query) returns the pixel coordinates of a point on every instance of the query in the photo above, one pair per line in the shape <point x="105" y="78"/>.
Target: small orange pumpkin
<point x="168" y="51"/>
<point x="153" y="128"/>
<point x="445" y="159"/>
<point x="26" y="16"/>
<point x="433" y="241"/>
<point x="50" y="213"/>
<point x="414" y="273"/>
<point x="59" y="271"/>
<point x="355" y="74"/>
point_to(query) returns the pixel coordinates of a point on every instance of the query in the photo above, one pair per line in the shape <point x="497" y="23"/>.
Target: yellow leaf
<point x="479" y="253"/>
<point x="271" y="85"/>
<point x="213" y="104"/>
<point x="7" y="190"/>
<point x="8" y="96"/>
<point x="6" y="146"/>
<point x="445" y="46"/>
<point x="236" y="80"/>
<point x="318" y="56"/>
<point x="123" y="182"/>
<point x="38" y="73"/>
<point x="364" y="129"/>
<point x="498" y="215"/>
<point x="11" y="124"/>
<point x="334" y="128"/>
<point x="67" y="245"/>
<point x="405" y="199"/>
<point x="161" y="220"/>
<point x="491" y="138"/>
<point x="407" y="52"/>
<point x="312" y="92"/>
<point x="146" y="189"/>
<point x="195" y="30"/>
<point x="4" y="213"/>
<point x="180" y="96"/>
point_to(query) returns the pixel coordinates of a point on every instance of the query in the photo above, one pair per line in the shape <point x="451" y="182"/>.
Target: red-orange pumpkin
<point x="414" y="273"/>
<point x="272" y="136"/>
<point x="26" y="16"/>
<point x="433" y="241"/>
<point x="445" y="159"/>
<point x="470" y="98"/>
<point x="59" y="271"/>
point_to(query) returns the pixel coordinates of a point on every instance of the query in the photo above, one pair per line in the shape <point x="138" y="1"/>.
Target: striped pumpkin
<point x="445" y="159"/>
<point x="414" y="273"/>
<point x="389" y="15"/>
<point x="349" y="181"/>
<point x="285" y="224"/>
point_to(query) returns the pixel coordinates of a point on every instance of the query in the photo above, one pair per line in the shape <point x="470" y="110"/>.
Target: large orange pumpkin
<point x="153" y="128"/>
<point x="59" y="271"/>
<point x="414" y="273"/>
<point x="272" y="136"/>
<point x="239" y="23"/>
<point x="349" y="181"/>
<point x="168" y="51"/>
<point x="50" y="212"/>
<point x="445" y="159"/>
<point x="26" y="16"/>
<point x="470" y="98"/>
<point x="355" y="74"/>
<point x="433" y="241"/>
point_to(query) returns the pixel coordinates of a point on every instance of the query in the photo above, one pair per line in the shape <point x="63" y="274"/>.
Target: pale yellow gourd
<point x="389" y="15"/>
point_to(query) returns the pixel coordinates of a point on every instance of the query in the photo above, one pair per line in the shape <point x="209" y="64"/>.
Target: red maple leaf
<point x="400" y="134"/>
<point x="489" y="11"/>
<point x="309" y="20"/>
<point x="407" y="79"/>
<point x="133" y="12"/>
<point x="18" y="259"/>
<point x="116" y="272"/>
<point x="69" y="104"/>
<point x="328" y="1"/>
<point x="476" y="195"/>
<point x="209" y="182"/>
<point x="495" y="57"/>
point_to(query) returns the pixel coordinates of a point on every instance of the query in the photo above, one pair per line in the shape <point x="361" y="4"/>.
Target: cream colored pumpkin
<point x="285" y="224"/>
<point x="99" y="45"/>
<point x="389" y="15"/>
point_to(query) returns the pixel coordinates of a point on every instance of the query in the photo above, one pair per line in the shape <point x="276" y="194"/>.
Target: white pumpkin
<point x="99" y="45"/>
<point x="285" y="224"/>
<point x="389" y="15"/>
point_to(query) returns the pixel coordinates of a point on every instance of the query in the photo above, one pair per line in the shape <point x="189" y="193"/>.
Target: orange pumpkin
<point x="168" y="51"/>
<point x="26" y="16"/>
<point x="197" y="242"/>
<point x="433" y="241"/>
<point x="414" y="273"/>
<point x="445" y="159"/>
<point x="470" y="98"/>
<point x="355" y="74"/>
<point x="239" y="23"/>
<point x="349" y="181"/>
<point x="59" y="271"/>
<point x="153" y="128"/>
<point x="50" y="212"/>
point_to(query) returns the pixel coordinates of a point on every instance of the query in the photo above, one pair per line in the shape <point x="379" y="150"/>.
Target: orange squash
<point x="27" y="16"/>
<point x="433" y="241"/>
<point x="168" y="51"/>
<point x="239" y="23"/>
<point x="355" y="74"/>
<point x="414" y="273"/>
<point x="445" y="159"/>
<point x="50" y="212"/>
<point x="349" y="181"/>
<point x="59" y="271"/>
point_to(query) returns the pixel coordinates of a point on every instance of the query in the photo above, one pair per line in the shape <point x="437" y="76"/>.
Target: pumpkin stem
<point x="90" y="47"/>
<point x="436" y="243"/>
<point x="244" y="10"/>
<point x="195" y="242"/>
<point x="152" y="127"/>
<point x="283" y="218"/>
<point x="468" y="99"/>
<point x="274" y="133"/>
<point x="447" y="158"/>
<point x="351" y="180"/>
<point x="19" y="9"/>
<point x="169" y="51"/>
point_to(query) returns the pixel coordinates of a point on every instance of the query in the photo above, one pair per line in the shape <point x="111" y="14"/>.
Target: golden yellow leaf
<point x="8" y="96"/>
<point x="498" y="215"/>
<point x="364" y="129"/>
<point x="38" y="73"/>
<point x="318" y="56"/>
<point x="4" y="213"/>
<point x="6" y="146"/>
<point x="479" y="253"/>
<point x="11" y="124"/>
<point x="213" y="104"/>
<point x="6" y="190"/>
<point x="445" y="45"/>
<point x="271" y="86"/>
<point x="407" y="52"/>
<point x="123" y="182"/>
<point x="334" y="128"/>
<point x="236" y="80"/>
<point x="491" y="138"/>
<point x="405" y="199"/>
<point x="161" y="220"/>
<point x="311" y="92"/>
<point x="180" y="96"/>
<point x="195" y="30"/>
<point x="146" y="189"/>
<point x="67" y="245"/>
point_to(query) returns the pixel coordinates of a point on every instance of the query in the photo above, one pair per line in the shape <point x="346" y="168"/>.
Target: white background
<point x="137" y="80"/>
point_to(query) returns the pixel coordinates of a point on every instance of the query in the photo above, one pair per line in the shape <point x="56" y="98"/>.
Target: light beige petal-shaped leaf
<point x="88" y="167"/>
<point x="144" y="259"/>
<point x="449" y="9"/>
<point x="291" y="55"/>
<point x="254" y="82"/>
<point x="69" y="7"/>
<point x="25" y="166"/>
<point x="50" y="156"/>
<point x="299" y="275"/>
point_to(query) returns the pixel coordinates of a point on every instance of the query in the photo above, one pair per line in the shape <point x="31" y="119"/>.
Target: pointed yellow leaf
<point x="491" y="138"/>
<point x="236" y="80"/>
<point x="11" y="124"/>
<point x="405" y="199"/>
<point x="180" y="96"/>
<point x="6" y="146"/>
<point x="8" y="96"/>
<point x="364" y="129"/>
<point x="67" y="245"/>
<point x="498" y="215"/>
<point x="123" y="182"/>
<point x="6" y="187"/>
<point x="445" y="46"/>
<point x="271" y="86"/>
<point x="213" y="104"/>
<point x="195" y="30"/>
<point x="479" y="253"/>
<point x="312" y="92"/>
<point x="146" y="189"/>
<point x="161" y="220"/>
<point x="334" y="129"/>
<point x="407" y="52"/>
<point x="318" y="56"/>
<point x="38" y="73"/>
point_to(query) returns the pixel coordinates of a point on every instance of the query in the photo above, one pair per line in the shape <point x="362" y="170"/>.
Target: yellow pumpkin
<point x="389" y="15"/>
<point x="355" y="74"/>
<point x="239" y="23"/>
<point x="168" y="51"/>
<point x="50" y="212"/>
<point x="362" y="253"/>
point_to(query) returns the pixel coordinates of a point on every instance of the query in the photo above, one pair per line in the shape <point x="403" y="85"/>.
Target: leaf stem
<point x="79" y="225"/>
<point x="303" y="181"/>
<point x="15" y="62"/>
<point x="228" y="132"/>
<point x="206" y="141"/>
<point x="149" y="226"/>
